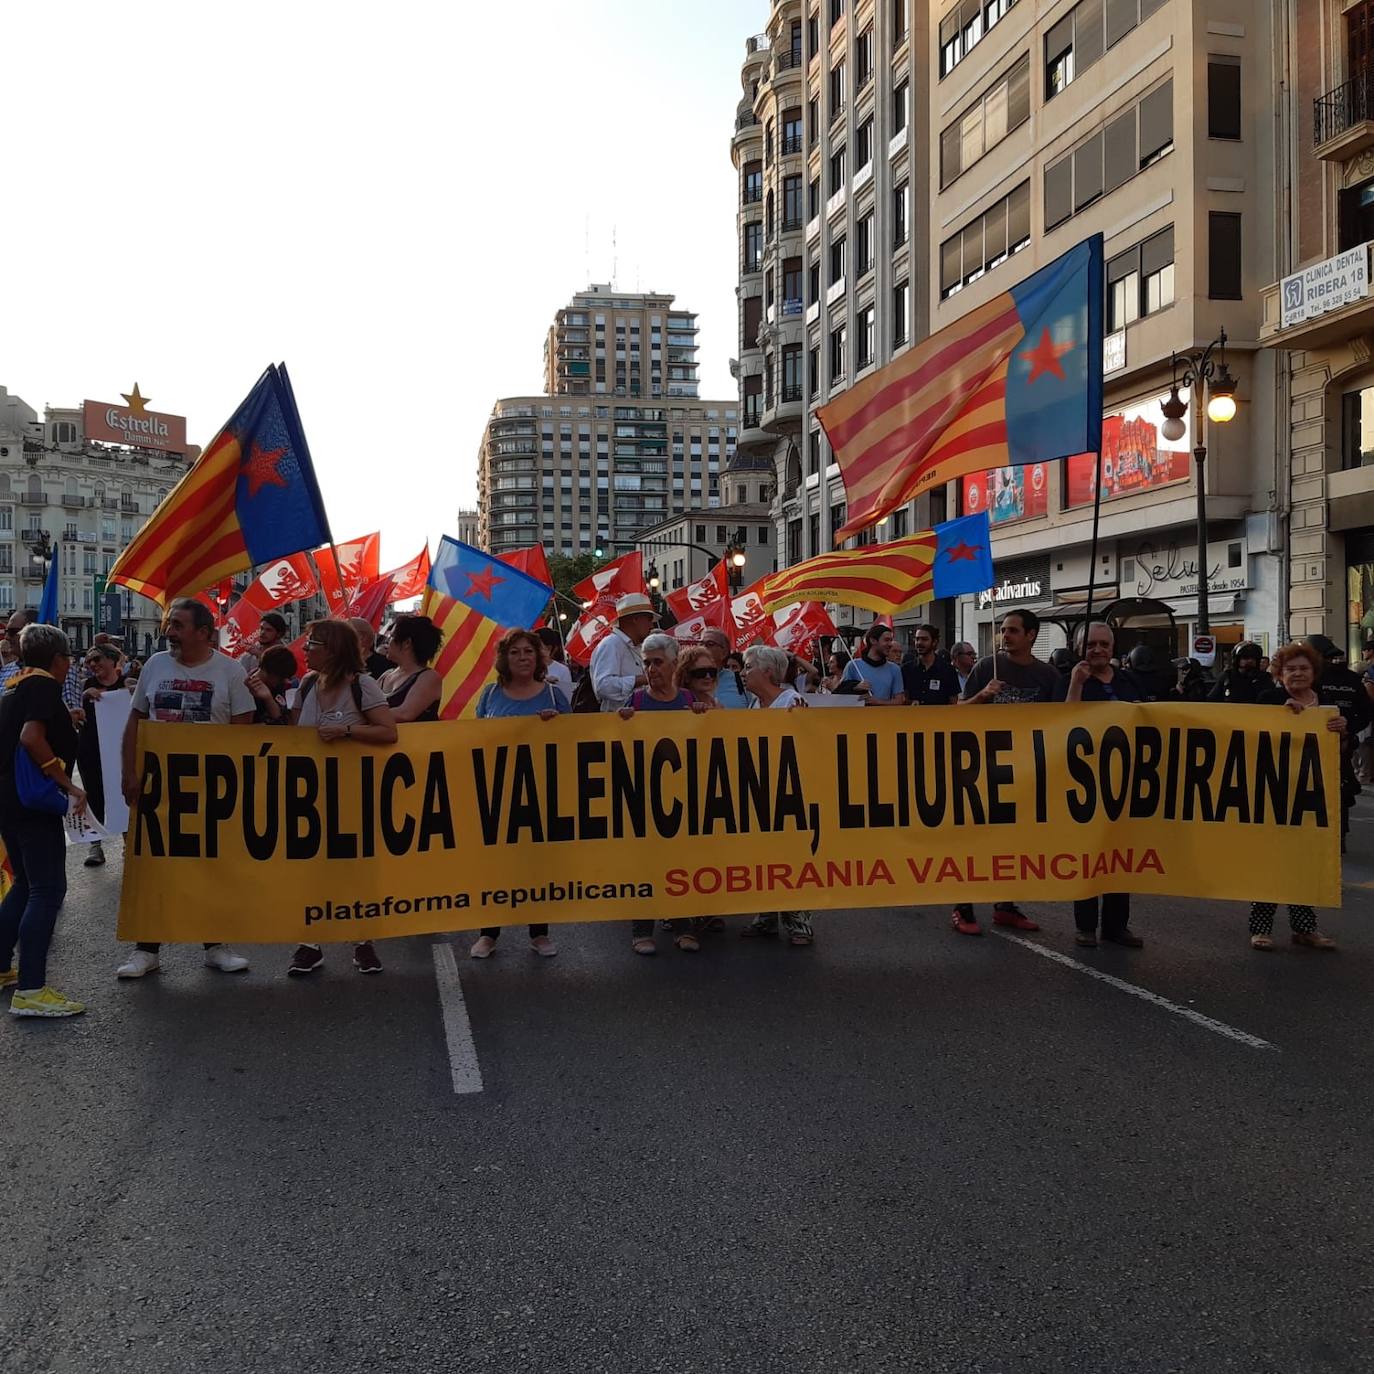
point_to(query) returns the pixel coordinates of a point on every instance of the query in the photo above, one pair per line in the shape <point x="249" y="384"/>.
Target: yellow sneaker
<point x="8" y="977"/>
<point x="44" y="1002"/>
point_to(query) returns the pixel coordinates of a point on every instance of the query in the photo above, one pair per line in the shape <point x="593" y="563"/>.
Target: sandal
<point x="688" y="943"/>
<point x="644" y="945"/>
<point x="1262" y="942"/>
<point x="1313" y="939"/>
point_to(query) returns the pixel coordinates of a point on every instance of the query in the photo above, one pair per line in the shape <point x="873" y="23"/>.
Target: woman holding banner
<point x="1297" y="668"/>
<point x="339" y="700"/>
<point x="412" y="687"/>
<point x="765" y="675"/>
<point x="521" y="689"/>
<point x="102" y="675"/>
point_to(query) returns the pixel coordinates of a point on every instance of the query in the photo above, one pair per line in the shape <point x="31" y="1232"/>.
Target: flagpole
<point x="1092" y="556"/>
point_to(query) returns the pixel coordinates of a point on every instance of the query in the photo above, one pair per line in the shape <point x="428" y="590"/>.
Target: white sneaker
<point x="224" y="959"/>
<point x="482" y="947"/>
<point x="141" y="961"/>
<point x="541" y="944"/>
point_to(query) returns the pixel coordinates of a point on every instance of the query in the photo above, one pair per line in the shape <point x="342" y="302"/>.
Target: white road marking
<point x="1188" y="1014"/>
<point x="462" y="1052"/>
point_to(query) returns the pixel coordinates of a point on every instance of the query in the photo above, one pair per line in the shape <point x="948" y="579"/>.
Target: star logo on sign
<point x="137" y="404"/>
<point x="1044" y="357"/>
<point x="483" y="584"/>
<point x="963" y="553"/>
<point x="261" y="470"/>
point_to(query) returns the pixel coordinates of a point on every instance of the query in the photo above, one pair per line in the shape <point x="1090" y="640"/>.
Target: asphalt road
<point x="899" y="1150"/>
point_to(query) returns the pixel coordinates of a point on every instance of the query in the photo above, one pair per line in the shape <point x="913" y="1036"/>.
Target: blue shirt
<point x="884" y="679"/>
<point x="642" y="701"/>
<point x="494" y="703"/>
<point x="728" y="691"/>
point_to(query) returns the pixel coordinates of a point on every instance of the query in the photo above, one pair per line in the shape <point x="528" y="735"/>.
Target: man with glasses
<point x="191" y="684"/>
<point x="729" y="685"/>
<point x="71" y="684"/>
<point x="963" y="658"/>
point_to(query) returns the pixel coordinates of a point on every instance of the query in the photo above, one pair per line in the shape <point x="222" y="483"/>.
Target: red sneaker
<point x="966" y="925"/>
<point x="1014" y="917"/>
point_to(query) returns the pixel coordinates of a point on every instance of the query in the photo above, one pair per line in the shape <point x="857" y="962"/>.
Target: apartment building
<point x="67" y="496"/>
<point x="1319" y="315"/>
<point x="1142" y="120"/>
<point x="831" y="158"/>
<point x="469" y="528"/>
<point x="684" y="548"/>
<point x="616" y="343"/>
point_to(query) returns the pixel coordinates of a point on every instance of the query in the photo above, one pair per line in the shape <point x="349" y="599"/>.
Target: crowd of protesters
<point x="354" y="691"/>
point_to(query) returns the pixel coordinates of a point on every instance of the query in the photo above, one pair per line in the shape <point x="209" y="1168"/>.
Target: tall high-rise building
<point x="617" y="343"/>
<point x="952" y="149"/>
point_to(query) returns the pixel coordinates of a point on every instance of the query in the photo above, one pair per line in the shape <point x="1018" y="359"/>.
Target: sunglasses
<point x="704" y="672"/>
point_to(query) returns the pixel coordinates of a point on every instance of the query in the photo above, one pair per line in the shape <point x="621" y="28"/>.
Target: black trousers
<point x="1115" y="913"/>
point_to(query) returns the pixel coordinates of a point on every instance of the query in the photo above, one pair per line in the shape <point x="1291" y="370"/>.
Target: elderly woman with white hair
<point x="765" y="675"/>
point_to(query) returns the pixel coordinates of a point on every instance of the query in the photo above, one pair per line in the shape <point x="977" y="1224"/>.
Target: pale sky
<point x="393" y="199"/>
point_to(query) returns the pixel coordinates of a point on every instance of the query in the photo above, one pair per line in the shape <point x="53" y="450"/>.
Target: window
<point x="813" y="33"/>
<point x="836" y="12"/>
<point x="1004" y="106"/>
<point x="1223" y="257"/>
<point x="838" y="514"/>
<point x="768" y="144"/>
<point x="901" y="200"/>
<point x="813" y="198"/>
<point x="837" y="90"/>
<point x="813" y="116"/>
<point x="1355" y="213"/>
<point x="863" y="145"/>
<point x="901" y="106"/>
<point x="1123" y="289"/>
<point x="837" y="337"/>
<point x="986" y="242"/>
<point x="1157" y="270"/>
<point x="813" y="283"/>
<point x="1357" y="428"/>
<point x="900" y="520"/>
<point x="899" y="22"/>
<point x="863" y="245"/>
<point x="863" y="59"/>
<point x="813" y="371"/>
<point x="1223" y="97"/>
<point x="753" y="319"/>
<point x="863" y="342"/>
<point x="792" y="286"/>
<point x="753" y="247"/>
<point x="901" y="313"/>
<point x="792" y="207"/>
<point x="791" y="373"/>
<point x="964" y="26"/>
<point x="792" y="132"/>
<point x="1111" y="156"/>
<point x="837" y="260"/>
<point x="1141" y="280"/>
<point x="837" y="171"/>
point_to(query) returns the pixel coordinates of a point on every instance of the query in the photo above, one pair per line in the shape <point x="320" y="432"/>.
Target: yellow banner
<point x="274" y="836"/>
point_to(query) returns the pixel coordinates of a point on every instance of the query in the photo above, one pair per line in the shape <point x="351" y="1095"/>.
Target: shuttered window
<point x="1223" y="257"/>
<point x="1223" y="98"/>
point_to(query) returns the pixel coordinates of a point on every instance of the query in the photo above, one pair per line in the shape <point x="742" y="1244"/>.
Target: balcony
<point x="752" y="195"/>
<point x="792" y="225"/>
<point x="790" y="144"/>
<point x="787" y="59"/>
<point x="1343" y="119"/>
<point x="1325" y="304"/>
<point x="33" y="498"/>
<point x="73" y="502"/>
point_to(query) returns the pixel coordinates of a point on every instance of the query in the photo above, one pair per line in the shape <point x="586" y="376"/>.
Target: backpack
<point x="308" y="686"/>
<point x="585" y="700"/>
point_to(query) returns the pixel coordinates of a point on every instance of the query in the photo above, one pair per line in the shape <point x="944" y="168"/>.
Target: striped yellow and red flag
<point x="467" y="661"/>
<point x="1017" y="380"/>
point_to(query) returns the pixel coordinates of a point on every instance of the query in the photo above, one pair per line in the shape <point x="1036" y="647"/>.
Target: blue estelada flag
<point x="1017" y="379"/>
<point x="250" y="498"/>
<point x="963" y="556"/>
<point x="47" y="607"/>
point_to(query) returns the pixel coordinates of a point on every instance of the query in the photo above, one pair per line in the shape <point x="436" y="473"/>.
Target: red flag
<point x="797" y="628"/>
<point x="751" y="620"/>
<point x="371" y="601"/>
<point x="715" y="616"/>
<point x="238" y="628"/>
<point x="589" y="631"/>
<point x="532" y="560"/>
<point x="360" y="563"/>
<point x="297" y="647"/>
<point x="607" y="585"/>
<point x="885" y="620"/>
<point x="410" y="579"/>
<point x="697" y="596"/>
<point x="287" y="580"/>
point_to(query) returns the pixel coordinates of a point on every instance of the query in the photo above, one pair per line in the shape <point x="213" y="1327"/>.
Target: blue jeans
<point x="38" y="854"/>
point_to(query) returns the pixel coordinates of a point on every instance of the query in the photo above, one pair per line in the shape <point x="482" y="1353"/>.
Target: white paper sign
<point x="112" y="713"/>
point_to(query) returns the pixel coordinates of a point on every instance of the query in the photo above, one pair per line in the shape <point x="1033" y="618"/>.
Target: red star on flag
<point x="1044" y="357"/>
<point x="963" y="553"/>
<point x="483" y="584"/>
<point x="260" y="468"/>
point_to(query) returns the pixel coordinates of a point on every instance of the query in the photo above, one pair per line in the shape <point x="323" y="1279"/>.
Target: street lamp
<point x="1200" y="372"/>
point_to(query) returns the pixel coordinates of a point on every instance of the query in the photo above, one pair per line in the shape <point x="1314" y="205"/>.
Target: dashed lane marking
<point x="462" y="1051"/>
<point x="1187" y="1013"/>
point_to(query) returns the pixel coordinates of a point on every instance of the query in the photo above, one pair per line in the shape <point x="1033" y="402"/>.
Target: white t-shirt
<point x="209" y="693"/>
<point x="338" y="705"/>
<point x="789" y="696"/>
<point x="558" y="674"/>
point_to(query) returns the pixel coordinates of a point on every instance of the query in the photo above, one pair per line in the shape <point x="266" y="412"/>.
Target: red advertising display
<point x="1008" y="494"/>
<point x="1135" y="458"/>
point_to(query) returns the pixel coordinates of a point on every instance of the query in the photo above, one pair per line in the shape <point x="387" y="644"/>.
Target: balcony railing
<point x="1343" y="108"/>
<point x="745" y="121"/>
<point x="752" y="195"/>
<point x="33" y="498"/>
<point x="789" y="393"/>
<point x="787" y="58"/>
<point x="791" y="143"/>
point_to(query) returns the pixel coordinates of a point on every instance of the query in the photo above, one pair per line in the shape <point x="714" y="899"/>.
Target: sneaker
<point x="224" y="959"/>
<point x="644" y="945"/>
<point x="482" y="947"/>
<point x="966" y="925"/>
<point x="95" y="855"/>
<point x="8" y="977"/>
<point x="689" y="944"/>
<point x="1012" y="916"/>
<point x="306" y="959"/>
<point x="141" y="961"/>
<point x="541" y="944"/>
<point x="1313" y="939"/>
<point x="44" y="1002"/>
<point x="365" y="958"/>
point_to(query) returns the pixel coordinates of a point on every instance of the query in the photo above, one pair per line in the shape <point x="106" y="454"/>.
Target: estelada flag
<point x="749" y="615"/>
<point x="474" y="598"/>
<point x="360" y="562"/>
<point x="687" y="601"/>
<point x="607" y="585"/>
<point x="953" y="559"/>
<point x="251" y="497"/>
<point x="1016" y="380"/>
<point x="410" y="579"/>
